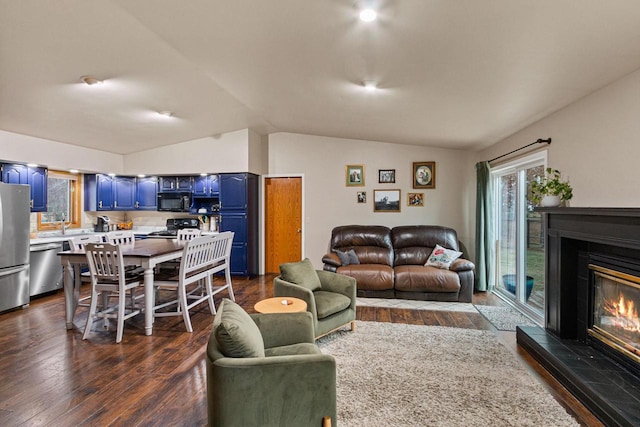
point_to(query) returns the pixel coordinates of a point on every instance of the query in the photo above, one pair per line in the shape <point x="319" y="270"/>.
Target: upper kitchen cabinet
<point x="206" y="186"/>
<point x="36" y="177"/>
<point x="175" y="183"/>
<point x="98" y="193"/>
<point x="234" y="191"/>
<point x="146" y="193"/>
<point x="124" y="193"/>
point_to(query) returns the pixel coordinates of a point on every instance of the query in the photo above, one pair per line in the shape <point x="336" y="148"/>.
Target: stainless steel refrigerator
<point x="14" y="245"/>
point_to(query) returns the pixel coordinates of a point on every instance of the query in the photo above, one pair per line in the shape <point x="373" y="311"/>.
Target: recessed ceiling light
<point x="32" y="165"/>
<point x="141" y="175"/>
<point x="370" y="85"/>
<point x="90" y="80"/>
<point x="111" y="174"/>
<point x="368" y="15"/>
<point x="73" y="170"/>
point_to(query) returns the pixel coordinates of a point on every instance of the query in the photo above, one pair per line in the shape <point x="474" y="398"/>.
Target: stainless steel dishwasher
<point x="46" y="270"/>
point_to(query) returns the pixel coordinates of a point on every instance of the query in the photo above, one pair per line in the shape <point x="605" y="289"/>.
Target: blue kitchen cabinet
<point x="206" y="186"/>
<point x="239" y="213"/>
<point x="233" y="191"/>
<point x="35" y="177"/>
<point x="98" y="192"/>
<point x="175" y="183"/>
<point x="146" y="193"/>
<point x="124" y="193"/>
<point x="106" y="193"/>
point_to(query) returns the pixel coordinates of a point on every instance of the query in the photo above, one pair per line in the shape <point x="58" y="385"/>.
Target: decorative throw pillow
<point x="301" y="273"/>
<point x="236" y="333"/>
<point x="348" y="257"/>
<point x="442" y="258"/>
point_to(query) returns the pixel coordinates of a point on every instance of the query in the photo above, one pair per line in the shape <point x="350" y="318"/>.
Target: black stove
<point x="173" y="225"/>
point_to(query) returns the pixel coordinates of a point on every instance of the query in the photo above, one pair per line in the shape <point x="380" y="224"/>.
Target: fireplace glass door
<point x="520" y="238"/>
<point x="616" y="297"/>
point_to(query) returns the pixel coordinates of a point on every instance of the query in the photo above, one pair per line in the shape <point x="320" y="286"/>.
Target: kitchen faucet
<point x="63" y="226"/>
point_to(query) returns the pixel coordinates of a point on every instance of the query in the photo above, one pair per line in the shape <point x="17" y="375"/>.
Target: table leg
<point x="70" y="301"/>
<point x="148" y="300"/>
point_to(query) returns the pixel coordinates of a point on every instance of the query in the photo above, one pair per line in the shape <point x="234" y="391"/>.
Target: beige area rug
<point x="391" y="374"/>
<point x="415" y="304"/>
<point x="504" y="318"/>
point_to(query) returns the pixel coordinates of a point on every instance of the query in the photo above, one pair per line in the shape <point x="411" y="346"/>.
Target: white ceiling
<point x="452" y="73"/>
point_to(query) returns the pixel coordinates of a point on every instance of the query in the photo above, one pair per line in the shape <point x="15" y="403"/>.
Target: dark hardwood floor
<point x="50" y="376"/>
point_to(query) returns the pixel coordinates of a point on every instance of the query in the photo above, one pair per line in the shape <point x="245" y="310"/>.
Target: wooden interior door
<point x="283" y="222"/>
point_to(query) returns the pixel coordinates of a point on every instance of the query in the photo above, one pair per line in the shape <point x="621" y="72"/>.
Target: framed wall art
<point x="362" y="197"/>
<point x="386" y="176"/>
<point x="424" y="174"/>
<point x="415" y="199"/>
<point x="354" y="175"/>
<point x="386" y="200"/>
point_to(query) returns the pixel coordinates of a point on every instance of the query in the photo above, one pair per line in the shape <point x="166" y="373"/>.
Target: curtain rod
<point x="539" y="141"/>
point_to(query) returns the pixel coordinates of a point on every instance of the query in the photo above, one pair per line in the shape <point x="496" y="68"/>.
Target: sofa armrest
<point x="462" y="264"/>
<point x="279" y="329"/>
<point x="331" y="262"/>
<point x="339" y="283"/>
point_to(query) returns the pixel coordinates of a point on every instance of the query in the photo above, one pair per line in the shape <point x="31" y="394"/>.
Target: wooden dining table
<point x="146" y="253"/>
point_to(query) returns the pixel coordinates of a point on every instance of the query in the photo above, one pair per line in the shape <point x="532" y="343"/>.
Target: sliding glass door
<point x="520" y="236"/>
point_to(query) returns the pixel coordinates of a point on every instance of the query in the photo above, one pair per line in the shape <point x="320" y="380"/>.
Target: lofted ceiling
<point x="458" y="74"/>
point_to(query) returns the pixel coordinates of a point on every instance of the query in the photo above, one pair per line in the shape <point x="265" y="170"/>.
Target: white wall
<point x="228" y="152"/>
<point x="56" y="155"/>
<point x="330" y="203"/>
<point x="596" y="142"/>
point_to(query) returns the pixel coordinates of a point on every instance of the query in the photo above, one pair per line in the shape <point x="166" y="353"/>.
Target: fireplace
<point x="615" y="325"/>
<point x="591" y="341"/>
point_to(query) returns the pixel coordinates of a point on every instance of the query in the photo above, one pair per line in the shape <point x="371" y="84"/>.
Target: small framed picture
<point x="415" y="199"/>
<point x="362" y="197"/>
<point x="354" y="175"/>
<point x="386" y="200"/>
<point x="386" y="176"/>
<point x="424" y="174"/>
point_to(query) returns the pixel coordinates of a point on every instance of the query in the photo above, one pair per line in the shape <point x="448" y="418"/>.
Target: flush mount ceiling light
<point x="368" y="15"/>
<point x="166" y="113"/>
<point x="90" y="80"/>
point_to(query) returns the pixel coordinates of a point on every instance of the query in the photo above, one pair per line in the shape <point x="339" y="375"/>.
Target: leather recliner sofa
<point x="392" y="262"/>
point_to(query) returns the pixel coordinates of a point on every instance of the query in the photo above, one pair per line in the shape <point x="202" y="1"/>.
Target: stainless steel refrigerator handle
<point x="45" y="247"/>
<point x="13" y="270"/>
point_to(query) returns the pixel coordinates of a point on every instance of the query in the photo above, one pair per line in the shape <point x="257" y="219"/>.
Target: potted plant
<point x="550" y="190"/>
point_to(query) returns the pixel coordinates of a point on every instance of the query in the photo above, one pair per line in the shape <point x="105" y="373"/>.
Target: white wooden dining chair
<point x="77" y="243"/>
<point x="108" y="276"/>
<point x="188" y="233"/>
<point x="122" y="237"/>
<point x="201" y="259"/>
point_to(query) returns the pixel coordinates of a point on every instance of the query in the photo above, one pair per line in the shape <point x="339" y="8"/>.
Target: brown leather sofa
<point x="392" y="262"/>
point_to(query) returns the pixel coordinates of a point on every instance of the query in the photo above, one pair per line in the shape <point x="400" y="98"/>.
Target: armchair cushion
<point x="236" y="333"/>
<point x="301" y="273"/>
<point x="328" y="303"/>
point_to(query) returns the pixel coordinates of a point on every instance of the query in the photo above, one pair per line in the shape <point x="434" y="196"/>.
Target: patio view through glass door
<point x="520" y="236"/>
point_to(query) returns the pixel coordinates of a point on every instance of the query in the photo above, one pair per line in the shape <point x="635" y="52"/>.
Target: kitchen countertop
<point x="56" y="236"/>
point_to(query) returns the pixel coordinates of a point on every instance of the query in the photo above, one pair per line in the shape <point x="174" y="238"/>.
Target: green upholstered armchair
<point x="330" y="297"/>
<point x="266" y="370"/>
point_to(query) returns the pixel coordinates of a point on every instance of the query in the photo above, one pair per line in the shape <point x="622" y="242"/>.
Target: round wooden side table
<point x="281" y="305"/>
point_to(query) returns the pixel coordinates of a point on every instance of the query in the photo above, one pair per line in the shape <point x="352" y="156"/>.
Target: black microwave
<point x="174" y="202"/>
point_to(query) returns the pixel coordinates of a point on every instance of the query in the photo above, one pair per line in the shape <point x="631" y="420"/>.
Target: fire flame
<point x="625" y="313"/>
